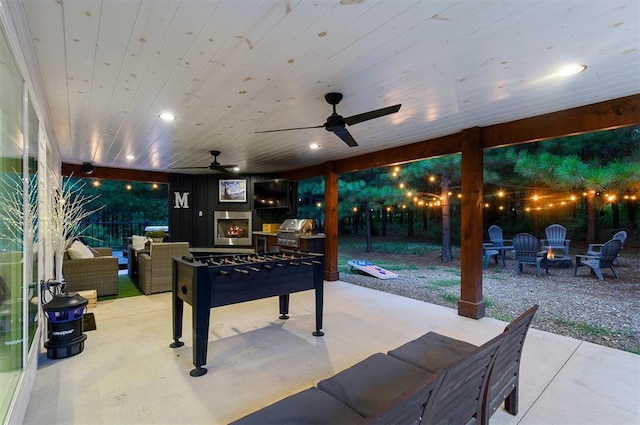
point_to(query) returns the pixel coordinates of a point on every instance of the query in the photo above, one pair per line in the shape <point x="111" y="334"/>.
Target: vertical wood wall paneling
<point x="189" y="226"/>
<point x="206" y="193"/>
<point x="181" y="219"/>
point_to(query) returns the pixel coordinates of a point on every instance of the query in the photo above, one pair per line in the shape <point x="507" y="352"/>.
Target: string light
<point x="551" y="199"/>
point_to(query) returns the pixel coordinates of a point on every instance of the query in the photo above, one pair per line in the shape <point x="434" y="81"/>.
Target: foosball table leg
<point x="176" y="343"/>
<point x="319" y="295"/>
<point x="198" y="371"/>
<point x="284" y="307"/>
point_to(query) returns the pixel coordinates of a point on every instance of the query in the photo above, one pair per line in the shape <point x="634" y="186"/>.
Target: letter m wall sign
<point x="181" y="200"/>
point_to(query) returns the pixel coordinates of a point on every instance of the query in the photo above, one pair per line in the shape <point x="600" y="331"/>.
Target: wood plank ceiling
<point x="230" y="68"/>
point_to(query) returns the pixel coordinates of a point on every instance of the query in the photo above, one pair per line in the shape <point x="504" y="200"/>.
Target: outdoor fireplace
<point x="232" y="228"/>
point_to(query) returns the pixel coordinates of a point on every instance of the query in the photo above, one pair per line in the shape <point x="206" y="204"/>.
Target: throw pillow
<point x="138" y="241"/>
<point x="78" y="251"/>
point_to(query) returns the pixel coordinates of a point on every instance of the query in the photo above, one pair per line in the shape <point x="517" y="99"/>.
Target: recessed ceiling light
<point x="167" y="116"/>
<point x="572" y="69"/>
<point x="314" y="146"/>
<point x="236" y="168"/>
<point x="130" y="157"/>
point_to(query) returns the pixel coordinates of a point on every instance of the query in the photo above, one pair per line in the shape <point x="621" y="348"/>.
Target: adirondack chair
<point x="594" y="248"/>
<point x="487" y="252"/>
<point x="498" y="243"/>
<point x="495" y="236"/>
<point x="608" y="254"/>
<point x="526" y="251"/>
<point x="556" y="239"/>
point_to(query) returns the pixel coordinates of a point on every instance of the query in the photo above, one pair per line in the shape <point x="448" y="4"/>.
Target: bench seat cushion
<point x="432" y="351"/>
<point x="369" y="385"/>
<point x="308" y="407"/>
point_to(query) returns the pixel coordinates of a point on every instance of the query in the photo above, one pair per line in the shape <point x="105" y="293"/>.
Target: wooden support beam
<point x="120" y="174"/>
<point x="471" y="304"/>
<point x="331" y="222"/>
<point x="412" y="152"/>
<point x="607" y="115"/>
<point x="415" y="151"/>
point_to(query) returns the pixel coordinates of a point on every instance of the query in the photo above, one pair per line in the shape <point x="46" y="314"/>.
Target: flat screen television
<point x="271" y="194"/>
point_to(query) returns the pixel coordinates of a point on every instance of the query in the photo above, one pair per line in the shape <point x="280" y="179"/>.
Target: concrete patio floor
<point x="127" y="374"/>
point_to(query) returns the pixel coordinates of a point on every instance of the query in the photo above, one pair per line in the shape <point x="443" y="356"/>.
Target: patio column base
<point x="471" y="309"/>
<point x="331" y="275"/>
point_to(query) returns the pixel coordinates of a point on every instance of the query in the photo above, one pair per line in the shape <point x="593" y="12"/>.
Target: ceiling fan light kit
<point x="337" y="124"/>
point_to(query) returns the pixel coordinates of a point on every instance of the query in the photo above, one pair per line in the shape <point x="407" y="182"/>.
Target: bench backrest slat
<point x="459" y="394"/>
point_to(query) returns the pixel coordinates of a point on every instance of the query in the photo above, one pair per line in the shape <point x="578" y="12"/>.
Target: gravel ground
<point x="581" y="307"/>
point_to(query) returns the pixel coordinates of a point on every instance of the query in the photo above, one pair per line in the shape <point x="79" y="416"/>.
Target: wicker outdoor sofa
<point x="155" y="268"/>
<point x="99" y="273"/>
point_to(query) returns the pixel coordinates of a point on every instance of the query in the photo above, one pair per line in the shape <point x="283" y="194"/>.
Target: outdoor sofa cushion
<point x="79" y="251"/>
<point x="374" y="382"/>
<point x="138" y="241"/>
<point x="310" y="407"/>
<point x="432" y="351"/>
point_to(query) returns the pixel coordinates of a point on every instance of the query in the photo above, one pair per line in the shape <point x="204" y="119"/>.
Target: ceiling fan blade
<point x="223" y="170"/>
<point x="355" y="119"/>
<point x="185" y="168"/>
<point x="346" y="137"/>
<point x="287" y="129"/>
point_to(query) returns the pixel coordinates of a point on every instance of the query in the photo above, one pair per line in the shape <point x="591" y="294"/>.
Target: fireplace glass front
<point x="232" y="228"/>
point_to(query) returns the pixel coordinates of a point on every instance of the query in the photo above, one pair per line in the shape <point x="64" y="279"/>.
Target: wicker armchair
<point x="155" y="269"/>
<point x="99" y="273"/>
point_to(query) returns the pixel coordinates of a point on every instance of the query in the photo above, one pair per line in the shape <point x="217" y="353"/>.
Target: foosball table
<point x="208" y="281"/>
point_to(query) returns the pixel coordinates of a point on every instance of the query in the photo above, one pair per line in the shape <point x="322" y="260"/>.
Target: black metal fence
<point x="113" y="233"/>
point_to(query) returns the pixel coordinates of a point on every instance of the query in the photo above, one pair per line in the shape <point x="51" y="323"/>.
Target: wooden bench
<point x="432" y="379"/>
<point x="433" y="351"/>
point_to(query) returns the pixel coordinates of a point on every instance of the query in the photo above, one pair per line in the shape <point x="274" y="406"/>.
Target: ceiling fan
<point x="230" y="170"/>
<point x="336" y="123"/>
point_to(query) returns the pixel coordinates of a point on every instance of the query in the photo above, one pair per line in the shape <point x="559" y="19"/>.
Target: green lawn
<point x="126" y="288"/>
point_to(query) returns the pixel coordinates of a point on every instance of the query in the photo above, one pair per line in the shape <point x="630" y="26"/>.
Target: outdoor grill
<point x="291" y="230"/>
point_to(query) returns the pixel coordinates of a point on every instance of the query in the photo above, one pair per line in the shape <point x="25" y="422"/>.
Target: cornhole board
<point x="372" y="269"/>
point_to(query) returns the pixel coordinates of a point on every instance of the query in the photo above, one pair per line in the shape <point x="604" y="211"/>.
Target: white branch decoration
<point x="69" y="210"/>
<point x="14" y="213"/>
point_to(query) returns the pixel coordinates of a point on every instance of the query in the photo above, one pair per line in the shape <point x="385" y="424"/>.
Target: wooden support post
<point x="331" y="222"/>
<point x="471" y="304"/>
